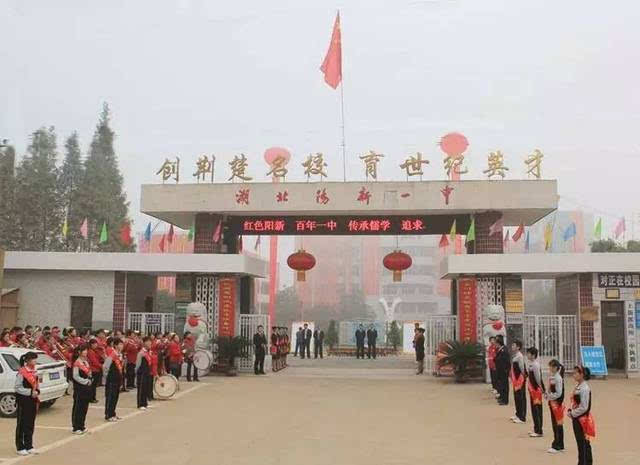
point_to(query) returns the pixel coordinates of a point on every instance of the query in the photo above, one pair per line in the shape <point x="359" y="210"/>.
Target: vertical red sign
<point x="227" y="313"/>
<point x="467" y="310"/>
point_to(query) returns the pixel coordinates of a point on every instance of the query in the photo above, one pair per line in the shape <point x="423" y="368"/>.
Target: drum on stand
<point x="165" y="387"/>
<point x="202" y="360"/>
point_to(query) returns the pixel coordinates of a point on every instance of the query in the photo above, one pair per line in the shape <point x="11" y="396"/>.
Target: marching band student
<point x="536" y="390"/>
<point x="555" y="396"/>
<point x="274" y="349"/>
<point x="5" y="340"/>
<point x="96" y="368"/>
<point x="154" y="366"/>
<point x="131" y="349"/>
<point x="174" y="351"/>
<point x="287" y="346"/>
<point x="27" y="391"/>
<point x="517" y="381"/>
<point x="584" y="427"/>
<point x="143" y="373"/>
<point x="81" y="375"/>
<point x="491" y="363"/>
<point x="113" y="374"/>
<point x="189" y="345"/>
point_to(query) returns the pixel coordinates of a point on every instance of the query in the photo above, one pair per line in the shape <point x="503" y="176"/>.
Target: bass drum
<point x="202" y="360"/>
<point x="165" y="387"/>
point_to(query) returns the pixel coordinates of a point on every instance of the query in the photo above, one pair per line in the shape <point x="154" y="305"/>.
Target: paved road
<point x="337" y="412"/>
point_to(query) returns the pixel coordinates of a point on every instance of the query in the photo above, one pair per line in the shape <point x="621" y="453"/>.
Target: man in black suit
<point x="298" y="341"/>
<point x="372" y="336"/>
<point x="306" y="341"/>
<point x="360" y="335"/>
<point x="260" y="350"/>
<point x="318" y="340"/>
<point x="503" y="365"/>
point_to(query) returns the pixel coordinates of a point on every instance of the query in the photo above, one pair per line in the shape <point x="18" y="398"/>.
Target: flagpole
<point x="344" y="148"/>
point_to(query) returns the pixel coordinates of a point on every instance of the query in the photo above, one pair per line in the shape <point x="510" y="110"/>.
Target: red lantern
<point x="271" y="154"/>
<point x="454" y="144"/>
<point x="302" y="262"/>
<point x="397" y="261"/>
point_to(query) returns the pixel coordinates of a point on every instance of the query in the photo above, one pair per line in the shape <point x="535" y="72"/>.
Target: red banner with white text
<point x="467" y="310"/>
<point x="227" y="311"/>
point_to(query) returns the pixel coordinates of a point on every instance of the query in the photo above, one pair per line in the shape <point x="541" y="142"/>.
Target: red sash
<point x="31" y="376"/>
<point x="83" y="366"/>
<point x="558" y="411"/>
<point x="116" y="361"/>
<point x="517" y="382"/>
<point x="145" y="354"/>
<point x="587" y="423"/>
<point x="535" y="393"/>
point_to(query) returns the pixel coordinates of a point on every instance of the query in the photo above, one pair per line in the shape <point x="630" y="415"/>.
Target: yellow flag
<point x="65" y="228"/>
<point x="452" y="234"/>
<point x="548" y="236"/>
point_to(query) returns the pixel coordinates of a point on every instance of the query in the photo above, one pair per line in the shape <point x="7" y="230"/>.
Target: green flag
<point x="597" y="233"/>
<point x="471" y="234"/>
<point x="104" y="236"/>
<point x="192" y="231"/>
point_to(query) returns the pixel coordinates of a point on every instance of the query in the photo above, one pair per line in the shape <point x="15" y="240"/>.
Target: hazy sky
<point x="202" y="76"/>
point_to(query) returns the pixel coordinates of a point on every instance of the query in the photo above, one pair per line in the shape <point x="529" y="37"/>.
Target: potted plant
<point x="229" y="348"/>
<point x="465" y="357"/>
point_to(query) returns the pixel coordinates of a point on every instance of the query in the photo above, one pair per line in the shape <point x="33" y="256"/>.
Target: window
<point x="44" y="359"/>
<point x="11" y="361"/>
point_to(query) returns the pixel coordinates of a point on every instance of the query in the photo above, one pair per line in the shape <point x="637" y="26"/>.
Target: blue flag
<point x="526" y="243"/>
<point x="147" y="233"/>
<point x="570" y="232"/>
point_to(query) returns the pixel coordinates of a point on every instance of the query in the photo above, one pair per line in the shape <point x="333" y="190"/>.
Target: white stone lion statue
<point x="196" y="325"/>
<point x="494" y="324"/>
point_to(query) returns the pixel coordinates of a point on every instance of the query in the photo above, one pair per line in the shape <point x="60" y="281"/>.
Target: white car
<point x="51" y="376"/>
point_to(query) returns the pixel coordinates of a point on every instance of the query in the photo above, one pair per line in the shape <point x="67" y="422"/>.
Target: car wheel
<point x="48" y="403"/>
<point x="8" y="405"/>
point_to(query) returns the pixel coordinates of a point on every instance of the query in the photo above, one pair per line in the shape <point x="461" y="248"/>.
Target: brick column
<point x="586" y="300"/>
<point x="205" y="227"/>
<point x="119" y="299"/>
<point x="485" y="243"/>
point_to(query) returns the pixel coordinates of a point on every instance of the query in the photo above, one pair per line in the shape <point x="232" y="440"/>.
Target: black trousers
<point x="149" y="387"/>
<point x="492" y="376"/>
<point x="360" y="350"/>
<point x="95" y="382"/>
<point x="520" y="399"/>
<point x="584" y="446"/>
<point x="371" y="352"/>
<point x="143" y="390"/>
<point x="306" y="347"/>
<point x="317" y="349"/>
<point x="298" y="346"/>
<point x="536" y="414"/>
<point x="502" y="386"/>
<point x="190" y="367"/>
<point x="176" y="369"/>
<point x="258" y="365"/>
<point x="81" y="398"/>
<point x="131" y="375"/>
<point x="111" y="396"/>
<point x="558" y="433"/>
<point x="26" y="420"/>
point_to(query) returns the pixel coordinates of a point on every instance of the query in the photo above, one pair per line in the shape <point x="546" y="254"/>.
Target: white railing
<point x="555" y="336"/>
<point x="248" y="327"/>
<point x="148" y="323"/>
<point x="437" y="329"/>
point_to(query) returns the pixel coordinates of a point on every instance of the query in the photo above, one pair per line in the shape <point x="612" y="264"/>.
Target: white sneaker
<point x="33" y="451"/>
<point x="76" y="431"/>
<point x="535" y="435"/>
<point x="513" y="418"/>
<point x="518" y="421"/>
<point x="142" y="408"/>
<point x="551" y="450"/>
<point x="22" y="452"/>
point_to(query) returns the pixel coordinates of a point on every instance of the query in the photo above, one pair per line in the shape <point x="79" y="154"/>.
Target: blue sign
<point x="637" y="314"/>
<point x="593" y="357"/>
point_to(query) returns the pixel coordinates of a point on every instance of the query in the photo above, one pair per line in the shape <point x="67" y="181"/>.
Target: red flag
<point x="332" y="64"/>
<point x="84" y="229"/>
<point x="125" y="234"/>
<point x="218" y="232"/>
<point x="621" y="227"/>
<point x="162" y="243"/>
<point x="518" y="234"/>
<point x="170" y="236"/>
<point x="444" y="241"/>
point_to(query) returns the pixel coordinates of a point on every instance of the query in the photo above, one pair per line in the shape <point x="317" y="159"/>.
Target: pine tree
<point x="38" y="220"/>
<point x="71" y="176"/>
<point x="7" y="186"/>
<point x="394" y="335"/>
<point x="332" y="334"/>
<point x="101" y="198"/>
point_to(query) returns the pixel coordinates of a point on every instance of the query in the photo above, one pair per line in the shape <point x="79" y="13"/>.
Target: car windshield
<point x="14" y="364"/>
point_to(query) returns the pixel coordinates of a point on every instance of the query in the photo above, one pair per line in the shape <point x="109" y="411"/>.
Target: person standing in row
<point x="555" y="396"/>
<point x="360" y="336"/>
<point x="419" y="343"/>
<point x="113" y="374"/>
<point x="175" y="356"/>
<point x="82" y="381"/>
<point x="131" y="349"/>
<point x="517" y="381"/>
<point x="96" y="368"/>
<point x="536" y="389"/>
<point x="27" y="391"/>
<point x="318" y="341"/>
<point x="306" y="341"/>
<point x="372" y="337"/>
<point x="584" y="427"/>
<point x="260" y="350"/>
<point x="189" y="345"/>
<point x="298" y="341"/>
<point x="143" y="374"/>
<point x="503" y="365"/>
<point x="491" y="363"/>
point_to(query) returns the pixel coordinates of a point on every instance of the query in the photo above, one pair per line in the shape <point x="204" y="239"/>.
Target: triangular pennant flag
<point x="452" y="233"/>
<point x="170" y="235"/>
<point x="332" y="64"/>
<point x="620" y="228"/>
<point x="257" y="244"/>
<point x="218" y="232"/>
<point x="147" y="233"/>
<point x="444" y="242"/>
<point x="570" y="232"/>
<point x="526" y="243"/>
<point x="496" y="228"/>
<point x="84" y="229"/>
<point x="597" y="233"/>
<point x="471" y="234"/>
<point x="104" y="235"/>
<point x="161" y="245"/>
<point x="518" y="234"/>
<point x="65" y="228"/>
<point x="506" y="237"/>
<point x="192" y="231"/>
<point x="548" y="236"/>
<point x="125" y="234"/>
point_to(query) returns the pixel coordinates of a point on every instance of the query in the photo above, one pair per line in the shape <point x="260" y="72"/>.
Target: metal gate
<point x="438" y="329"/>
<point x="555" y="336"/>
<point x="151" y="323"/>
<point x="248" y="325"/>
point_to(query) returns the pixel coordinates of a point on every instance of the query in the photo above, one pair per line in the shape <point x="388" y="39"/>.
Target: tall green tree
<point x="38" y="220"/>
<point x="394" y="335"/>
<point x="69" y="182"/>
<point x="7" y="187"/>
<point x="332" y="334"/>
<point x="101" y="198"/>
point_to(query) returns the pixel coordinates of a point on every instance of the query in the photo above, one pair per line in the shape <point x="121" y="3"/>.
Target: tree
<point x="353" y="307"/>
<point x="38" y="220"/>
<point x="288" y="306"/>
<point x="332" y="334"/>
<point x="610" y="246"/>
<point x="394" y="335"/>
<point x="101" y="198"/>
<point x="71" y="176"/>
<point x="7" y="187"/>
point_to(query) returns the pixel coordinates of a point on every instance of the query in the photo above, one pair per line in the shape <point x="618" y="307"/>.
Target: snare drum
<point x="165" y="387"/>
<point x="202" y="360"/>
